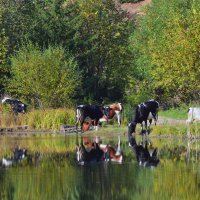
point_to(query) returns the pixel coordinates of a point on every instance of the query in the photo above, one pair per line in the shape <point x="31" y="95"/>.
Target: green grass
<point x="44" y="119"/>
<point x="175" y="113"/>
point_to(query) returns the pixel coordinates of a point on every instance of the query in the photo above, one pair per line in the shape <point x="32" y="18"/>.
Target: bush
<point x="48" y="78"/>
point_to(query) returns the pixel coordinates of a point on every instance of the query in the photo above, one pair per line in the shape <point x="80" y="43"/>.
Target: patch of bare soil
<point x="133" y="9"/>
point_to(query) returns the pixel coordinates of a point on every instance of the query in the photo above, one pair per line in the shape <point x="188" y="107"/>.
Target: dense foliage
<point x="94" y="32"/>
<point x="154" y="56"/>
<point x="48" y="77"/>
<point x="167" y="46"/>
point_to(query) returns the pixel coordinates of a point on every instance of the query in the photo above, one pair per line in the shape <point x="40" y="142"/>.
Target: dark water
<point x="56" y="175"/>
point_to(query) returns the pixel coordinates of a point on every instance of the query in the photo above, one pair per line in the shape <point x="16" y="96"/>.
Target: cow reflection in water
<point x="145" y="156"/>
<point x="92" y="152"/>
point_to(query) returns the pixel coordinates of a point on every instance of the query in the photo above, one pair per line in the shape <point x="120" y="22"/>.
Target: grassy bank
<point x="51" y="119"/>
<point x="40" y="119"/>
<point x="175" y="113"/>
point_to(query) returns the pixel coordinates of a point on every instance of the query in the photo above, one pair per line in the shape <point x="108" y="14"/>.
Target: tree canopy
<point x="101" y="53"/>
<point x="167" y="44"/>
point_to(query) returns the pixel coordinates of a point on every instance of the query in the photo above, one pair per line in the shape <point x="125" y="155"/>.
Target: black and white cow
<point x="94" y="112"/>
<point x="144" y="113"/>
<point x="193" y="117"/>
<point x="16" y="105"/>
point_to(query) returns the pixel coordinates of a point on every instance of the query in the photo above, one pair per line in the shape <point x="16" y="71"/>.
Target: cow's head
<point x="131" y="128"/>
<point x="19" y="107"/>
<point x="106" y="110"/>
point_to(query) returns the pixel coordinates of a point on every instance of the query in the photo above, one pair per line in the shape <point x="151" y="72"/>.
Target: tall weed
<point x="40" y="119"/>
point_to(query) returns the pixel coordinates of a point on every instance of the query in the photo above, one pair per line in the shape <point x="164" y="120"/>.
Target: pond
<point x="56" y="175"/>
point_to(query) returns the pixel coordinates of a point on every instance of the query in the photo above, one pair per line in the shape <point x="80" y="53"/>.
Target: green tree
<point x="15" y="18"/>
<point x="96" y="33"/>
<point x="3" y="54"/>
<point x="103" y="52"/>
<point x="167" y="46"/>
<point x="49" y="78"/>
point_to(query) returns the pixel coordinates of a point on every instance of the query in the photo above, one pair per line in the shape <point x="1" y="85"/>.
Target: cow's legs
<point x="118" y="119"/>
<point x="82" y="119"/>
<point x="77" y="128"/>
<point x="148" y="129"/>
<point x="96" y="124"/>
<point x="78" y="118"/>
<point x="142" y="129"/>
<point x="82" y="126"/>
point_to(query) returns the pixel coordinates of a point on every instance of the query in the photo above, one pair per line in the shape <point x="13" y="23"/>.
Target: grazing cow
<point x="144" y="156"/>
<point x="16" y="105"/>
<point x="193" y="116"/>
<point x="144" y="112"/>
<point x="113" y="110"/>
<point x="94" y="112"/>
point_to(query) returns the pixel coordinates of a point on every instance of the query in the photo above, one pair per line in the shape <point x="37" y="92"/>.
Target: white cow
<point x="193" y="117"/>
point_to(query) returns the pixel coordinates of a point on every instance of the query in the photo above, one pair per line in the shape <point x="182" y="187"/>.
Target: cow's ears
<point x="129" y="124"/>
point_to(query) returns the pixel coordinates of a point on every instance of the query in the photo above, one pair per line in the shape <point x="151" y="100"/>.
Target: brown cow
<point x="113" y="110"/>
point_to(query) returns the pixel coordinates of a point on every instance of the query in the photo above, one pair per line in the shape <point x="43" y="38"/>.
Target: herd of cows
<point x="93" y="115"/>
<point x="89" y="115"/>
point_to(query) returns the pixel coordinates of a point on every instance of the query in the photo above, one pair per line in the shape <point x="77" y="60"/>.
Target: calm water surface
<point x="55" y="175"/>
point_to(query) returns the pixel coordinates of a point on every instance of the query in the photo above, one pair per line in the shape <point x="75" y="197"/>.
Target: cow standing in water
<point x="193" y="117"/>
<point x="113" y="110"/>
<point x="16" y="105"/>
<point x="93" y="112"/>
<point x="144" y="113"/>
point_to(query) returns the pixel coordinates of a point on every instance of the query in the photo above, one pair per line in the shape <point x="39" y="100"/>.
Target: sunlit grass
<point x="175" y="113"/>
<point x="44" y="119"/>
